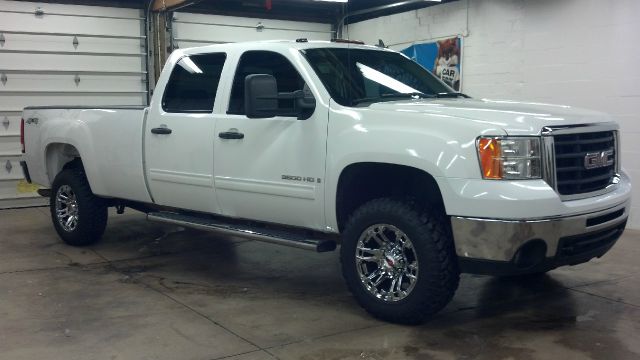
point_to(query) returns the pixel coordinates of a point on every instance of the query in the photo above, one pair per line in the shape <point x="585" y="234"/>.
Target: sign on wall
<point x="442" y="57"/>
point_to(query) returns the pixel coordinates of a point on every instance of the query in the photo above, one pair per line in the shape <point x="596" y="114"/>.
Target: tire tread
<point x="93" y="210"/>
<point x="440" y="287"/>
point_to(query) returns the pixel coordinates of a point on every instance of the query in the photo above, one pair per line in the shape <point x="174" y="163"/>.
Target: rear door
<point x="179" y="135"/>
<point x="273" y="171"/>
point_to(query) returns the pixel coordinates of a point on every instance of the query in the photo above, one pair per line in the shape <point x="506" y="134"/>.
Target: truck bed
<point x="110" y="138"/>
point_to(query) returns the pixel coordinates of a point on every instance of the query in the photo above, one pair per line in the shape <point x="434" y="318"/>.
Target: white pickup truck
<point x="314" y="144"/>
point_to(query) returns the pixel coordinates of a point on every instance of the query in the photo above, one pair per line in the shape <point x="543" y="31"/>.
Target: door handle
<point x="234" y="135"/>
<point x="161" y="131"/>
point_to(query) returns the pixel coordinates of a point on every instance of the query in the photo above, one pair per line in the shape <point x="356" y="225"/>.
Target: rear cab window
<point x="193" y="84"/>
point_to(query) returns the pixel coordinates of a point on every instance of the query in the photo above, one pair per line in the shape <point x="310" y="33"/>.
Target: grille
<point x="571" y="175"/>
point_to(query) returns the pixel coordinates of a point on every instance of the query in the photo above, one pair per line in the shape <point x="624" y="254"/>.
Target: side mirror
<point x="261" y="99"/>
<point x="305" y="103"/>
<point x="260" y="96"/>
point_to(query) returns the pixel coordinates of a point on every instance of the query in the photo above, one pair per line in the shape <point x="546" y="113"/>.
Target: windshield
<point x="360" y="77"/>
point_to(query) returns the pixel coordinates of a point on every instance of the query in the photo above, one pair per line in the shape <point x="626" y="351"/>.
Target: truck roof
<point x="278" y="44"/>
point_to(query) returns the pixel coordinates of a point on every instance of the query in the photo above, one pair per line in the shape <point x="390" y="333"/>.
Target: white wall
<point x="583" y="53"/>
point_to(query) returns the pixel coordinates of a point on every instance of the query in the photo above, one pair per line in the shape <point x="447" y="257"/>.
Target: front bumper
<point x="500" y="247"/>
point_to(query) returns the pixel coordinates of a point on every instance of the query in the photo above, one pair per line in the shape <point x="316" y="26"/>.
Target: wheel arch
<point x="59" y="156"/>
<point x="364" y="181"/>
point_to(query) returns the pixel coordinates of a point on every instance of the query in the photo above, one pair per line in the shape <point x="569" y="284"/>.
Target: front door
<point x="180" y="134"/>
<point x="272" y="169"/>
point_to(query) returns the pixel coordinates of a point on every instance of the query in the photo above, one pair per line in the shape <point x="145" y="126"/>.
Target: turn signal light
<point x="490" y="154"/>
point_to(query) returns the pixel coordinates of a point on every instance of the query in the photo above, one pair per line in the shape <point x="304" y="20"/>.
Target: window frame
<point x="217" y="89"/>
<point x="235" y="75"/>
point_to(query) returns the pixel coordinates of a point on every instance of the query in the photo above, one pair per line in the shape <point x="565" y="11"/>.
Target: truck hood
<point x="515" y="118"/>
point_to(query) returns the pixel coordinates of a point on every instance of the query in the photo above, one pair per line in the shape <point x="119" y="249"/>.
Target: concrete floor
<point x="150" y="291"/>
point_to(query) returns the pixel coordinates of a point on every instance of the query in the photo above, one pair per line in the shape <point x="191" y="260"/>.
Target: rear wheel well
<point x="362" y="182"/>
<point x="60" y="157"/>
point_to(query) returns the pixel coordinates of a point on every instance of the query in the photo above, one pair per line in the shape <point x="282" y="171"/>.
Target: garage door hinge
<point x="8" y="166"/>
<point x="75" y="42"/>
<point x="6" y="123"/>
<point x="4" y="79"/>
<point x="39" y="11"/>
<point x="259" y="27"/>
<point x="77" y="79"/>
<point x="2" y="40"/>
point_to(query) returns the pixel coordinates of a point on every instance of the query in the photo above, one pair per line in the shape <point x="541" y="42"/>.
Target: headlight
<point x="510" y="158"/>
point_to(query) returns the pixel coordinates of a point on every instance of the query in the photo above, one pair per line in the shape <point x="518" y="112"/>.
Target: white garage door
<point x="52" y="54"/>
<point x="189" y="30"/>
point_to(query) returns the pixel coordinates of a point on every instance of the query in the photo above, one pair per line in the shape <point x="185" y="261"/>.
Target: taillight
<point x="22" y="135"/>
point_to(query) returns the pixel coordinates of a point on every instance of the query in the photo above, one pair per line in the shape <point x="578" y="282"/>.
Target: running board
<point x="286" y="238"/>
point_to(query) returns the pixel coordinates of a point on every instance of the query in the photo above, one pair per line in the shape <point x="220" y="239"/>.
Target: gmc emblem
<point x="598" y="159"/>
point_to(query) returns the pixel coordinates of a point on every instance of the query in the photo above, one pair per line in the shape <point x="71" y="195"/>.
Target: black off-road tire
<point x="92" y="210"/>
<point x="438" y="273"/>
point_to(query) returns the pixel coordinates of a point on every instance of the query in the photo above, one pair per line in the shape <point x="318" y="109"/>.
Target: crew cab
<point x="319" y="144"/>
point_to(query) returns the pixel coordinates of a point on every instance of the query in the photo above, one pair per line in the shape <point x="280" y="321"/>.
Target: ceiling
<point x="310" y="10"/>
<point x="302" y="10"/>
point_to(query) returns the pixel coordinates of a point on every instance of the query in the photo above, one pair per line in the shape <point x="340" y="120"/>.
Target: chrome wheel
<point x="387" y="262"/>
<point x="67" y="208"/>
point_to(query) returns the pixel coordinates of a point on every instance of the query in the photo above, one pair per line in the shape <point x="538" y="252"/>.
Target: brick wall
<point x="583" y="53"/>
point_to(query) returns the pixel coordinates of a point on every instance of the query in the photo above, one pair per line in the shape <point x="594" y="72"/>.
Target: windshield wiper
<point x="451" y="95"/>
<point x="412" y="95"/>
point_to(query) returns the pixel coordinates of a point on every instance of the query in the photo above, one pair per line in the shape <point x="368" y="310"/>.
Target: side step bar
<point x="286" y="238"/>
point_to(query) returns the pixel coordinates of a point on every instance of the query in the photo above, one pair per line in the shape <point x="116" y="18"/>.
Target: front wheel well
<point x="362" y="182"/>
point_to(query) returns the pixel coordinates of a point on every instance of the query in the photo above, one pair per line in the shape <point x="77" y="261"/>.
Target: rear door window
<point x="193" y="84"/>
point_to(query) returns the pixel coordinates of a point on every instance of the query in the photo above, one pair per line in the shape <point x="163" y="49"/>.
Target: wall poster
<point x="441" y="57"/>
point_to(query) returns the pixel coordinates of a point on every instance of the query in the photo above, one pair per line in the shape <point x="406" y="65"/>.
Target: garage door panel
<point x="67" y="82"/>
<point x="189" y="30"/>
<point x="20" y="101"/>
<point x="28" y="6"/>
<point x="188" y="44"/>
<point x="69" y="62"/>
<point x="9" y="123"/>
<point x="243" y="21"/>
<point x="10" y="167"/>
<point x="223" y="33"/>
<point x="66" y="24"/>
<point x="27" y="42"/>
<point x="40" y="65"/>
<point x="16" y="193"/>
<point x="9" y="144"/>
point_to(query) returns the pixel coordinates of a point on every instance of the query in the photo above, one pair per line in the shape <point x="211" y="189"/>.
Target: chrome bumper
<point x="500" y="240"/>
